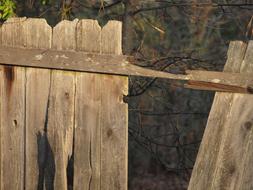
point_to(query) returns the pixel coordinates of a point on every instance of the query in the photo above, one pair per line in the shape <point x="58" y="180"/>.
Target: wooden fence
<point x="63" y="123"/>
<point x="225" y="158"/>
<point x="52" y="119"/>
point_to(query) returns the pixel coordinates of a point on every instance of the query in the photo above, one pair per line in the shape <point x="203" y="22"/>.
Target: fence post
<point x="225" y="156"/>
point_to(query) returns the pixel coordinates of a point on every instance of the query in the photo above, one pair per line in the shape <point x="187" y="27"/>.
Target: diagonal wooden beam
<point x="121" y="65"/>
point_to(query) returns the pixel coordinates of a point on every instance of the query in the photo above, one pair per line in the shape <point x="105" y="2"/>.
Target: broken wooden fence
<point x="51" y="118"/>
<point x="64" y="122"/>
<point x="225" y="158"/>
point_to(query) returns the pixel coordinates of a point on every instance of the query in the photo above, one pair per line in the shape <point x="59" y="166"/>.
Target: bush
<point x="7" y="8"/>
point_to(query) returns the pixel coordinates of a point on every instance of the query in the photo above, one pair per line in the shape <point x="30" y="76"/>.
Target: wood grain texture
<point x="88" y="114"/>
<point x="89" y="36"/>
<point x="46" y="110"/>
<point x="114" y="118"/>
<point x="208" y="172"/>
<point x="120" y="65"/>
<point x="12" y="110"/>
<point x="61" y="108"/>
<point x="37" y="34"/>
<point x="246" y="109"/>
<point x="235" y="156"/>
<point x="87" y="133"/>
<point x="11" y="30"/>
<point x="111" y="38"/>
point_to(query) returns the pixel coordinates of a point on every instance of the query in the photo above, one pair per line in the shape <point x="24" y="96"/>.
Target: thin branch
<point x="98" y="8"/>
<point x="215" y="5"/>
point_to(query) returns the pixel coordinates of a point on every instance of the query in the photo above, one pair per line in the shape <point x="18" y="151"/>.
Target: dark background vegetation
<point x="166" y="122"/>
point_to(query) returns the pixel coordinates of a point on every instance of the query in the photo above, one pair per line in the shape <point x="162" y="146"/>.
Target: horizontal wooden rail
<point x="122" y="65"/>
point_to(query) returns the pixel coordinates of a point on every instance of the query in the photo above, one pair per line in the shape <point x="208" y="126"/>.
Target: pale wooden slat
<point x="87" y="133"/>
<point x="205" y="166"/>
<point x="59" y="128"/>
<point x="89" y="36"/>
<point x="114" y="118"/>
<point x="245" y="110"/>
<point x="12" y="110"/>
<point x="11" y="30"/>
<point x="111" y="38"/>
<point x="37" y="34"/>
<point x="87" y="114"/>
<point x="61" y="107"/>
<point x="234" y="168"/>
<point x="64" y="35"/>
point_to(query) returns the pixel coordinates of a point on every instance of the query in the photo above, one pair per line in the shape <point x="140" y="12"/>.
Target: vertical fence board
<point x="61" y="108"/>
<point x="11" y="31"/>
<point x="37" y="34"/>
<point x="89" y="36"/>
<point x="12" y="110"/>
<point x="114" y="117"/>
<point x="87" y="120"/>
<point x="234" y="169"/>
<point x="59" y="128"/>
<point x="207" y="172"/>
<point x="246" y="174"/>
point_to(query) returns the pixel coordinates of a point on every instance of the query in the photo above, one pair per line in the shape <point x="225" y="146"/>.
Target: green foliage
<point x="7" y="8"/>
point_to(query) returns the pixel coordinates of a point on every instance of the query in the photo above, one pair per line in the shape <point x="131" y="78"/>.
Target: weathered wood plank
<point x="61" y="108"/>
<point x="204" y="174"/>
<point x="12" y="110"/>
<point x="37" y="34"/>
<point x="120" y="65"/>
<point x="87" y="133"/>
<point x="246" y="169"/>
<point x="199" y="85"/>
<point x="234" y="169"/>
<point x="88" y="127"/>
<point x="114" y="118"/>
<point x="11" y="31"/>
<point x="89" y="36"/>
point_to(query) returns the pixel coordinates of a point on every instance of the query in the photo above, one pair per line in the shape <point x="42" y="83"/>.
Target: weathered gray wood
<point x="37" y="34"/>
<point x="11" y="31"/>
<point x="246" y="169"/>
<point x="234" y="164"/>
<point x="59" y="129"/>
<point x="88" y="114"/>
<point x="12" y="113"/>
<point x="120" y="65"/>
<point x="87" y="133"/>
<point x="89" y="36"/>
<point x="61" y="108"/>
<point x="114" y="118"/>
<point x="212" y="170"/>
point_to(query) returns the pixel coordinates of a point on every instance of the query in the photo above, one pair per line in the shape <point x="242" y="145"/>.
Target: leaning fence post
<point x="225" y="156"/>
